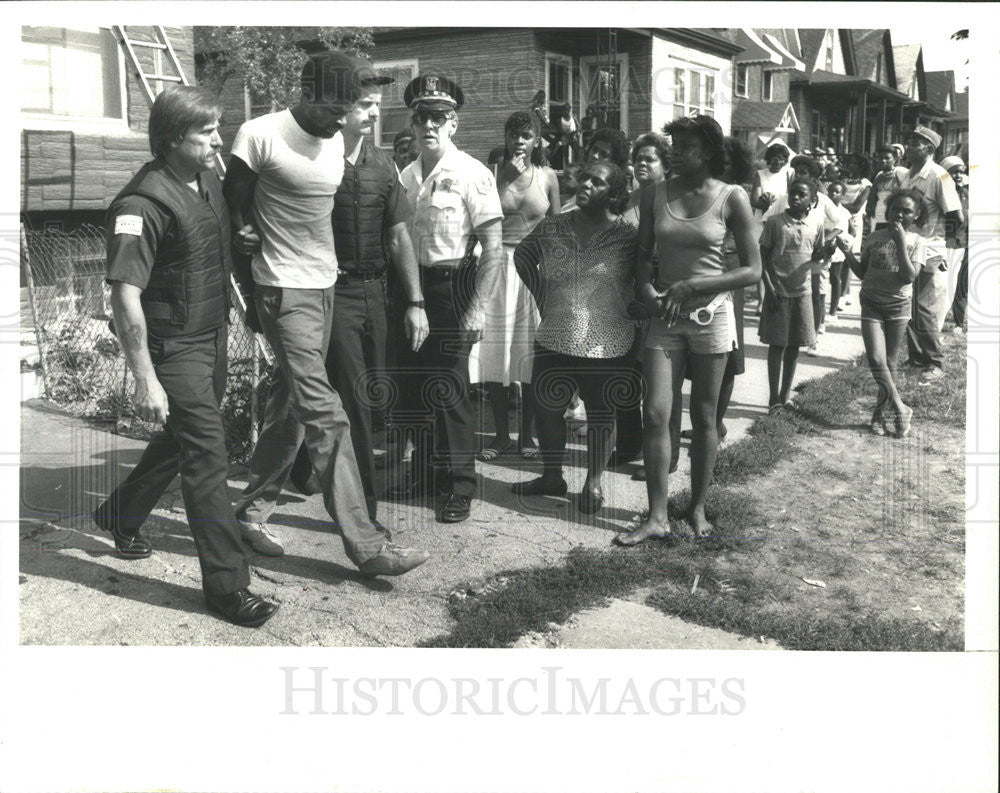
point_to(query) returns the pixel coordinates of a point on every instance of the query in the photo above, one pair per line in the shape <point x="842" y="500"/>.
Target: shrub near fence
<point x="84" y="368"/>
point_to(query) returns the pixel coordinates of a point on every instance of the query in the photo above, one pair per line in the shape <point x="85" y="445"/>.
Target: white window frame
<point x="745" y="68"/>
<point x="705" y="71"/>
<point x="562" y="60"/>
<point x="248" y="104"/>
<point x="86" y="124"/>
<point x="587" y="65"/>
<point x="414" y="64"/>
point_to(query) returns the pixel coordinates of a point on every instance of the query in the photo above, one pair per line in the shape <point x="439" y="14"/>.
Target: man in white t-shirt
<point x="941" y="223"/>
<point x="280" y="186"/>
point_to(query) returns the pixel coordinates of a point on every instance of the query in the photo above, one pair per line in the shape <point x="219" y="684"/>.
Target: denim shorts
<point x="686" y="335"/>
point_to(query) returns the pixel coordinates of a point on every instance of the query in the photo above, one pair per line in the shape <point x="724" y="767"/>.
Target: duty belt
<point x="442" y="271"/>
<point x="361" y="275"/>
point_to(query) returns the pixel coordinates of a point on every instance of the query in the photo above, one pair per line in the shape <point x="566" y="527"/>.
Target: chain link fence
<point x="67" y="308"/>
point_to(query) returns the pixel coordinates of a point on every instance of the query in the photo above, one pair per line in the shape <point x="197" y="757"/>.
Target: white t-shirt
<point x="297" y="176"/>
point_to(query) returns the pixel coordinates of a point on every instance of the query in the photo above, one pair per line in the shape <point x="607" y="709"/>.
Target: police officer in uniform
<point x="455" y="204"/>
<point x="169" y="266"/>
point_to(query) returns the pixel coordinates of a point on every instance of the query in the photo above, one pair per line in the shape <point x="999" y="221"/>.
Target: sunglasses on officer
<point x="438" y="118"/>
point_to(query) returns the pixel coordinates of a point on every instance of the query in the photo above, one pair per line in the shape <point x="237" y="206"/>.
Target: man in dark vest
<point x="169" y="266"/>
<point x="370" y="214"/>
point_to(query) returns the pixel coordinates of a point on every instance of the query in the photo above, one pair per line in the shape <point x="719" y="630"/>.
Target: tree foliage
<point x="269" y="60"/>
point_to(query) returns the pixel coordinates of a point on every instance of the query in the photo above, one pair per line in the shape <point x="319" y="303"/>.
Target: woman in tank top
<point x="687" y="218"/>
<point x="528" y="192"/>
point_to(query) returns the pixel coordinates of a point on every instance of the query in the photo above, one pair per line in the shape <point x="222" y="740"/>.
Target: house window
<point x="71" y="74"/>
<point x="694" y="90"/>
<point x="605" y="88"/>
<point x="767" y="92"/>
<point x="828" y="51"/>
<point x="815" y="132"/>
<point x="256" y="104"/>
<point x="741" y="79"/>
<point x="395" y="114"/>
<point x="558" y="82"/>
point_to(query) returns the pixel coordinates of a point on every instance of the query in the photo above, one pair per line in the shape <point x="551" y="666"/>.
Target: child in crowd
<point x="884" y="182"/>
<point x="832" y="258"/>
<point x="890" y="260"/>
<point x="841" y="221"/>
<point x="789" y="243"/>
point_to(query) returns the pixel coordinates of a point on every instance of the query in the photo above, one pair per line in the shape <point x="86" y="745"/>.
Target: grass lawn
<point x="828" y="537"/>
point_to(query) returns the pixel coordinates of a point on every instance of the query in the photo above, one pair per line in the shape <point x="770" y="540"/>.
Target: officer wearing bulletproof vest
<point x="169" y="267"/>
<point x="370" y="217"/>
<point x="455" y="204"/>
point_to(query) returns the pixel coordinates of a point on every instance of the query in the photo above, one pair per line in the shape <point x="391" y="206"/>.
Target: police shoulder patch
<point x="129" y="224"/>
<point x="484" y="185"/>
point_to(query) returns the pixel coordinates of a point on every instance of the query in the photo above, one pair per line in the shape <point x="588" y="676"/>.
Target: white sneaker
<point x="958" y="330"/>
<point x="259" y="537"/>
<point x="822" y="328"/>
<point x="812" y="350"/>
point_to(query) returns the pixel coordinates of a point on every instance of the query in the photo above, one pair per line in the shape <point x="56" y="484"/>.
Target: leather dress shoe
<point x="393" y="560"/>
<point x="129" y="546"/>
<point x="242" y="608"/>
<point x="456" y="509"/>
<point x="540" y="487"/>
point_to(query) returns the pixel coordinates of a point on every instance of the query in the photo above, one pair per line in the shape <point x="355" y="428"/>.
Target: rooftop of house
<point x="940" y="85"/>
<point x="758" y="115"/>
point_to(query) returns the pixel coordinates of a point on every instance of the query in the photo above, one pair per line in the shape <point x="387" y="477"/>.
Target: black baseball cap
<point x="338" y="77"/>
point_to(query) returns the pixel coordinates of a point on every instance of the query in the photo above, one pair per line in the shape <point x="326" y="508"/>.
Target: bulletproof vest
<point x="188" y="289"/>
<point x="359" y="209"/>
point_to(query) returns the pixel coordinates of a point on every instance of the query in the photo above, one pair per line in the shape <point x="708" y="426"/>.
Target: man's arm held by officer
<point x="238" y="190"/>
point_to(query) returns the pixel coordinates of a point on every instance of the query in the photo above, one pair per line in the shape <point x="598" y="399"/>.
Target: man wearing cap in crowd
<point x="455" y="204"/>
<point x="370" y="215"/>
<point x="403" y="149"/>
<point x="284" y="172"/>
<point x="169" y="227"/>
<point x="943" y="219"/>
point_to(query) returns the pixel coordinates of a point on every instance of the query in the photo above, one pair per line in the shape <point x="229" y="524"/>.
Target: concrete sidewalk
<point x="75" y="590"/>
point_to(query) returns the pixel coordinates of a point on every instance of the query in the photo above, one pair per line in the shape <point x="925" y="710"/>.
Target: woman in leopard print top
<point x="580" y="266"/>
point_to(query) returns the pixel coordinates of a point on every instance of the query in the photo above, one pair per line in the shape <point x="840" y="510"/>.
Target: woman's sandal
<point x="531" y="452"/>
<point x="491" y="453"/>
<point x="629" y="539"/>
<point x="589" y="501"/>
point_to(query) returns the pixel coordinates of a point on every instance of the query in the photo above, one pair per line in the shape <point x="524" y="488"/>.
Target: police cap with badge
<point x="433" y="91"/>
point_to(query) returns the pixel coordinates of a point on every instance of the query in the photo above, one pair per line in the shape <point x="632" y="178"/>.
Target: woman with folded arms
<point x="580" y="268"/>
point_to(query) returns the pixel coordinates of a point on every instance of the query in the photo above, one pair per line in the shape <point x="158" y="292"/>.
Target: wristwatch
<point x="416" y="304"/>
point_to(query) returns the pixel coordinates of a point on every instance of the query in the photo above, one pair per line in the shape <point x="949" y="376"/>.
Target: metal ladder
<point x="162" y="45"/>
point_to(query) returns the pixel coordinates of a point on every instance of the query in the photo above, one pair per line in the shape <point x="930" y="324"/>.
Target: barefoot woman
<point x="687" y="217"/>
